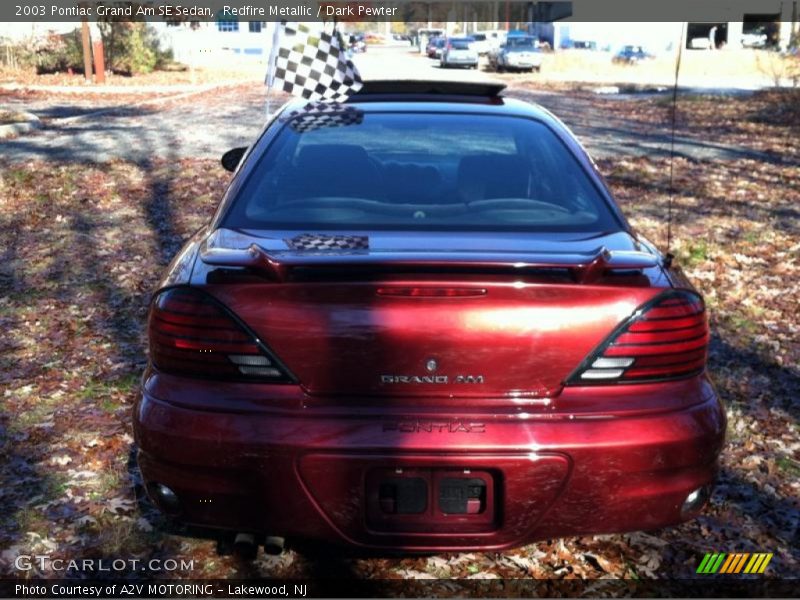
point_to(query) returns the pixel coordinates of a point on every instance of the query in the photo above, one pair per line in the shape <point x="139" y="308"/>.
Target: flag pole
<point x="273" y="55"/>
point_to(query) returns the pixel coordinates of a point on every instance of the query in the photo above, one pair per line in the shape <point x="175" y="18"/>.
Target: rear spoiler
<point x="276" y="265"/>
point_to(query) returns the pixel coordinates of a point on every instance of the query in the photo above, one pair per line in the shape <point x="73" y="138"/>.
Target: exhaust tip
<point x="245" y="547"/>
<point x="695" y="501"/>
<point x="274" y="544"/>
<point x="166" y="499"/>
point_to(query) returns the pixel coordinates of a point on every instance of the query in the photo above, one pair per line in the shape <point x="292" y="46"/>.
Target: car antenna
<point x="669" y="257"/>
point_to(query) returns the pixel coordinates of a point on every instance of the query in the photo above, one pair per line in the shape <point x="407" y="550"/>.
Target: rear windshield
<point x="520" y="42"/>
<point x="419" y="172"/>
<point x="460" y="44"/>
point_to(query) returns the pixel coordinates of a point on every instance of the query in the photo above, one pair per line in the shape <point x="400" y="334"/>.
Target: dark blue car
<point x="631" y="55"/>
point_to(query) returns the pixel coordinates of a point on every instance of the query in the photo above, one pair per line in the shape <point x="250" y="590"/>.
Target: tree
<point x="131" y="46"/>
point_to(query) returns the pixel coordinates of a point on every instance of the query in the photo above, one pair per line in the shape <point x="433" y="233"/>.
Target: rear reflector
<point x="666" y="338"/>
<point x="193" y="334"/>
<point x="601" y="374"/>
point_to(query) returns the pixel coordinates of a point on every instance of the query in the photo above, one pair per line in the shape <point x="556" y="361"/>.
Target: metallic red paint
<point x="522" y="338"/>
<point x="251" y="458"/>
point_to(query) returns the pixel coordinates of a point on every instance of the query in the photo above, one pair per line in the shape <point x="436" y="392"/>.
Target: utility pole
<point x="87" y="51"/>
<point x="98" y="54"/>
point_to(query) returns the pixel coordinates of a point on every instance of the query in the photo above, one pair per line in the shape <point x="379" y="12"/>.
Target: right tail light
<point x="666" y="338"/>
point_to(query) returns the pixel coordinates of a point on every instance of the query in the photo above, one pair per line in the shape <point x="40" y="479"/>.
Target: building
<point x="724" y="24"/>
<point x="200" y="43"/>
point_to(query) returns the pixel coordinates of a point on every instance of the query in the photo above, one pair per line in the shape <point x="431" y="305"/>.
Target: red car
<point x="418" y="321"/>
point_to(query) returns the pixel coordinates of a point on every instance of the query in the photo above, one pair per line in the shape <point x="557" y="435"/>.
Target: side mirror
<point x="231" y="159"/>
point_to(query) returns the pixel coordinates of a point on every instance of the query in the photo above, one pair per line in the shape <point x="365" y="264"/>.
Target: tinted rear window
<point x="520" y="42"/>
<point x="420" y="172"/>
<point x="460" y="44"/>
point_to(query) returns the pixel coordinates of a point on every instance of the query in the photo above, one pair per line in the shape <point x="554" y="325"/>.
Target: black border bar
<point x="705" y="587"/>
<point x="411" y="11"/>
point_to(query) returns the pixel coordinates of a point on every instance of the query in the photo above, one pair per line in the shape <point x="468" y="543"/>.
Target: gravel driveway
<point x="206" y="124"/>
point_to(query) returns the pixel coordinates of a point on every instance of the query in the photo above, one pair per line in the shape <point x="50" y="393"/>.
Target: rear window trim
<point x="283" y="121"/>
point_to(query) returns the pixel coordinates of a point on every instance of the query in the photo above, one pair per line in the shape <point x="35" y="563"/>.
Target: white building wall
<point x="206" y="44"/>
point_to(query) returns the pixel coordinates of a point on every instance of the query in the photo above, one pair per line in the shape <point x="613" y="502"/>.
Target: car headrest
<point x="322" y="156"/>
<point x="337" y="170"/>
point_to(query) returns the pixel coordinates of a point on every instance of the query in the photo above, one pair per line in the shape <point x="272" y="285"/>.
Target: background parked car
<point x="519" y="53"/>
<point x="423" y="37"/>
<point x="358" y="43"/>
<point x="481" y="43"/>
<point x="631" y="55"/>
<point x="459" y="52"/>
<point x="435" y="47"/>
<point x="495" y="38"/>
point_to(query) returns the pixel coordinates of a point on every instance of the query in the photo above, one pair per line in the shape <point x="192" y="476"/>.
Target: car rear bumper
<point x="322" y="474"/>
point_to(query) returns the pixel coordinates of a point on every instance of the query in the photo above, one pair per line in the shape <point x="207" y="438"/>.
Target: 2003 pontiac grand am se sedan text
<point x="419" y="321"/>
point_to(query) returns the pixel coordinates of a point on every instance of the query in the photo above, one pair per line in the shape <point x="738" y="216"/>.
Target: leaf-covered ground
<point x="81" y="247"/>
<point x="167" y="78"/>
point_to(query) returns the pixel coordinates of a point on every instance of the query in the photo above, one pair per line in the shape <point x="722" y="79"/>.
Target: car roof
<point x="423" y="96"/>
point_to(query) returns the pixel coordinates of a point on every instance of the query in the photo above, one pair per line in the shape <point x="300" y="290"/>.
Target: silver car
<point x="519" y="53"/>
<point x="459" y="52"/>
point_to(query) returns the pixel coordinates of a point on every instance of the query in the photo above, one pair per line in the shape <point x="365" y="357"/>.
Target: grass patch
<point x="30" y="520"/>
<point x="744" y="323"/>
<point x="789" y="466"/>
<point x="107" y="393"/>
<point x="117" y="537"/>
<point x="694" y="253"/>
<point x="36" y="411"/>
<point x="19" y="176"/>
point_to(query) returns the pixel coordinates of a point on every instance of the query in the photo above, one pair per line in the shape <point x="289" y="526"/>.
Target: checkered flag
<point x="318" y="241"/>
<point x="312" y="65"/>
<point x="316" y="115"/>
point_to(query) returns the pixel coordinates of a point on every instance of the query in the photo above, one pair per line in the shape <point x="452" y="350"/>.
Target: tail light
<point x="192" y="334"/>
<point x="666" y="338"/>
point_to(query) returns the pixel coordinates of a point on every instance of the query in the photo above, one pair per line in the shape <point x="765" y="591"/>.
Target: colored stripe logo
<point x="744" y="562"/>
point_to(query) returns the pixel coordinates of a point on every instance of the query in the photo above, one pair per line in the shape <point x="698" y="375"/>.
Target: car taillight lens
<point x="666" y="338"/>
<point x="192" y="334"/>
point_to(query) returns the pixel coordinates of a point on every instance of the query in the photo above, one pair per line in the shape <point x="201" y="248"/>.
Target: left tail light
<point x="193" y="334"/>
<point x="666" y="338"/>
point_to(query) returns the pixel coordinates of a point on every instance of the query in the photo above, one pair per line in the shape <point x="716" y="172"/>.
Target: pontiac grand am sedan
<point x="418" y="321"/>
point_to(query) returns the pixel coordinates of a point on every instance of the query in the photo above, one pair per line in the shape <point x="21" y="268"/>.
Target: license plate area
<point x="436" y="500"/>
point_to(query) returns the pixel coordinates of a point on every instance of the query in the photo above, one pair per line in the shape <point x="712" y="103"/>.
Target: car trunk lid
<point x="509" y="319"/>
